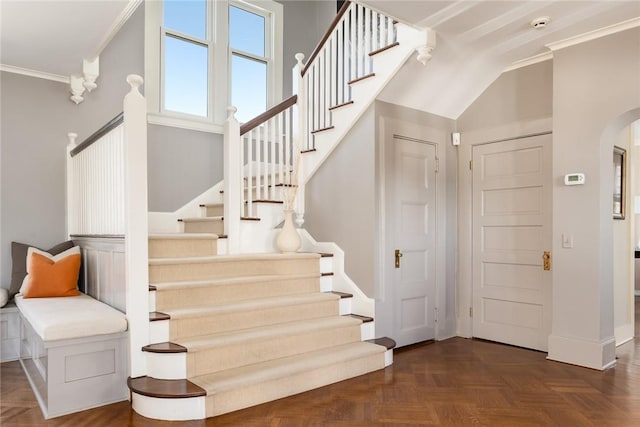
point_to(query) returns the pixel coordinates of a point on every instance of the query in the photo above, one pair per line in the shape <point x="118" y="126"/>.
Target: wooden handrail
<point x="270" y="113"/>
<point x="113" y="123"/>
<point x="326" y="36"/>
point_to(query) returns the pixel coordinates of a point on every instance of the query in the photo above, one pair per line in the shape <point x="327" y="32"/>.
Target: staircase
<point x="232" y="323"/>
<point x="233" y="331"/>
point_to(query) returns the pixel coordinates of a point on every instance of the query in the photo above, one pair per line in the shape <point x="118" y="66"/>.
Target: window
<point x="212" y="54"/>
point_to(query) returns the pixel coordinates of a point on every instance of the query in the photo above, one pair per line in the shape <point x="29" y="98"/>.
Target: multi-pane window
<point x="186" y="57"/>
<point x="211" y="54"/>
<point x="249" y="61"/>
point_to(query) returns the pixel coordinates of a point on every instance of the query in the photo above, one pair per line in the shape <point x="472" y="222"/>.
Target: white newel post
<point x="299" y="134"/>
<point x="71" y="196"/>
<point x="136" y="224"/>
<point x="232" y="181"/>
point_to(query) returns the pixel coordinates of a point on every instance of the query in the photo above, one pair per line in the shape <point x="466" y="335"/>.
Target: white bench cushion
<point x="70" y="317"/>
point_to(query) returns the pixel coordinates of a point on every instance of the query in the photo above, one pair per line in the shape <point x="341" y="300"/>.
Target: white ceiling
<point x="54" y="36"/>
<point x="477" y="40"/>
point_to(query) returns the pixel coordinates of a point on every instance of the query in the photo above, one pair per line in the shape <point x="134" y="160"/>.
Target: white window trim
<point x="219" y="63"/>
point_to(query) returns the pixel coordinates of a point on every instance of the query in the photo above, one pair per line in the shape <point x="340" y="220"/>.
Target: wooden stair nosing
<point x="249" y="218"/>
<point x="344" y="104"/>
<point x="382" y="49"/>
<point x="165" y="389"/>
<point x="359" y="79"/>
<point x="155" y="316"/>
<point x="264" y="201"/>
<point x="326" y="274"/>
<point x="342" y="295"/>
<point x="387" y="342"/>
<point x="164" y="347"/>
<point x="365" y="319"/>
<point x="152" y="288"/>
<point x="202" y="219"/>
<point x="310" y="150"/>
<point x="313" y="132"/>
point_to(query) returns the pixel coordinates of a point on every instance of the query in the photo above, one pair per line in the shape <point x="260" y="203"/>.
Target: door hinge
<point x="470" y="311"/>
<point x="435" y="313"/>
<point x="470" y="164"/>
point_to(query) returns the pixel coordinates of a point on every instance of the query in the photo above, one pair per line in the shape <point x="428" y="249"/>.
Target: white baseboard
<point x="598" y="355"/>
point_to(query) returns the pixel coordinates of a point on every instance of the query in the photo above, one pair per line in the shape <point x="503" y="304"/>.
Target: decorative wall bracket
<point x="424" y="52"/>
<point x="78" y="84"/>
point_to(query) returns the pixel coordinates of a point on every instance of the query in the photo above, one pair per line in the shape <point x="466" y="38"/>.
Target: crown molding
<point x="541" y="57"/>
<point x="34" y="73"/>
<point x="117" y="24"/>
<point x="592" y="35"/>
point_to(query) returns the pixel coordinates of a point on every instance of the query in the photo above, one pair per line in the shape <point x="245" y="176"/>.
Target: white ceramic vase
<point x="288" y="240"/>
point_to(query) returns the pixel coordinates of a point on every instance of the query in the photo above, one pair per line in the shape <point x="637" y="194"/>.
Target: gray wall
<point x="182" y="164"/>
<point x="593" y="101"/>
<point x="340" y="201"/>
<point x="305" y="22"/>
<point x="515" y="97"/>
<point x="36" y="117"/>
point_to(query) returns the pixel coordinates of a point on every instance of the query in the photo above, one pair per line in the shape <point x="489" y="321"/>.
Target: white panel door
<point x="415" y="238"/>
<point x="511" y="232"/>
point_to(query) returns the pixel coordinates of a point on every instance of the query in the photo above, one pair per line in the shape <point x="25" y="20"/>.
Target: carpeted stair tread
<point x="232" y="258"/>
<point x="192" y="284"/>
<point x="202" y="219"/>
<point x="266" y="332"/>
<point x="252" y="304"/>
<point x="183" y="236"/>
<point x="244" y="376"/>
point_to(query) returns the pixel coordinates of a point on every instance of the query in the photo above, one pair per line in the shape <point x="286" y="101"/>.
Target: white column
<point x="232" y="181"/>
<point x="136" y="224"/>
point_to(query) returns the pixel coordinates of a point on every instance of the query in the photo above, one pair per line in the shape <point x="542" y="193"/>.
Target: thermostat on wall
<point x="574" y="179"/>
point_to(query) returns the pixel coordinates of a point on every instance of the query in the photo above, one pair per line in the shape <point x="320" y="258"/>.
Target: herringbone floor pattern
<point x="457" y="382"/>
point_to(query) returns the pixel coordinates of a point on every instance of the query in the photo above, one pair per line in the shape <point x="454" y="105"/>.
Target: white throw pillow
<point x="4" y="296"/>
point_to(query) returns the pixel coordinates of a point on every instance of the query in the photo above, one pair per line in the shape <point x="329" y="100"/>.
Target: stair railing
<point x="343" y="56"/>
<point x="263" y="155"/>
<point x="107" y="197"/>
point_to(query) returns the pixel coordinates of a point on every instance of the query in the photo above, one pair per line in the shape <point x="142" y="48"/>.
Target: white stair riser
<point x="166" y="366"/>
<point x="345" y="306"/>
<point x="222" y="247"/>
<point x="326" y="264"/>
<point x="191" y="408"/>
<point x="152" y="301"/>
<point x="388" y="358"/>
<point x="326" y="283"/>
<point x="158" y="331"/>
<point x="368" y="331"/>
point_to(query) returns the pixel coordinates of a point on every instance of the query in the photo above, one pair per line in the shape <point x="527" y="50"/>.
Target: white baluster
<point x="321" y="91"/>
<point x="367" y="40"/>
<point x="340" y="57"/>
<point x="258" y="177"/>
<point x="353" y="61"/>
<point x="273" y="124"/>
<point x="391" y="37"/>
<point x="382" y="32"/>
<point x="360" y="41"/>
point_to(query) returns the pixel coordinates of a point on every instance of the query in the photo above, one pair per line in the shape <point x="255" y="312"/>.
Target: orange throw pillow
<point x="48" y="278"/>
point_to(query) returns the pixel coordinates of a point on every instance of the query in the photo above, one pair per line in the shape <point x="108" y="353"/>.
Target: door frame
<point x="464" y="294"/>
<point x="388" y="129"/>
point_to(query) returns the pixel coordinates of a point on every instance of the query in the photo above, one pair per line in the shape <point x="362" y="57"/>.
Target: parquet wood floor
<point x="457" y="382"/>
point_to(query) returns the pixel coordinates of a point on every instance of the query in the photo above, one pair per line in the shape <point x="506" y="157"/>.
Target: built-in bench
<point x="74" y="352"/>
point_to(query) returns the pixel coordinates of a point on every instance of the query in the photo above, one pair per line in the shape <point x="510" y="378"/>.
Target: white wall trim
<point x="116" y="25"/>
<point x="598" y="355"/>
<point x="184" y="123"/>
<point x="541" y="57"/>
<point x="595" y="34"/>
<point x="34" y="73"/>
